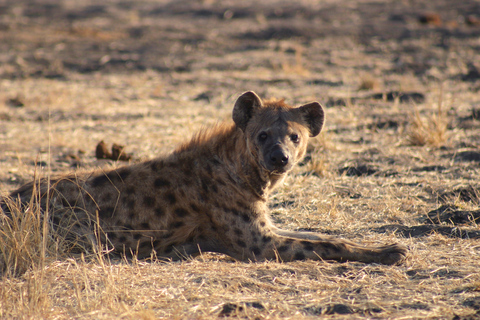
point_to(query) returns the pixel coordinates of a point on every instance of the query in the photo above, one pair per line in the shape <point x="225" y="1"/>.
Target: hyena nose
<point x="279" y="158"/>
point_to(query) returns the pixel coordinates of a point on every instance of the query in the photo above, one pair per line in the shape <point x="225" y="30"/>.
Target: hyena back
<point x="210" y="194"/>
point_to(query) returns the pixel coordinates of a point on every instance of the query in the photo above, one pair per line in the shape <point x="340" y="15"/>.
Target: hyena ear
<point x="245" y="107"/>
<point x="313" y="115"/>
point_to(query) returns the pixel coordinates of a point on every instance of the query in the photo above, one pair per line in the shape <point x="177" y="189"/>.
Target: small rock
<point x="472" y="20"/>
<point x="468" y="155"/>
<point x="403" y="97"/>
<point x="339" y="308"/>
<point x="227" y="309"/>
<point x="431" y="19"/>
<point x="203" y="96"/>
<point x="476" y="114"/>
<point x="452" y="215"/>
<point x="467" y="193"/>
<point x="15" y="102"/>
<point x="473" y="302"/>
<point x="101" y="152"/>
<point x="358" y="170"/>
<point x="119" y="154"/>
<point x="472" y="75"/>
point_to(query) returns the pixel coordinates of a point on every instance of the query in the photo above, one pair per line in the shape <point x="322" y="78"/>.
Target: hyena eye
<point x="294" y="137"/>
<point x="262" y="136"/>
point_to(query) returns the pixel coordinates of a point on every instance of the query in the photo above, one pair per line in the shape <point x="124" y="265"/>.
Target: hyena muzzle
<point x="210" y="194"/>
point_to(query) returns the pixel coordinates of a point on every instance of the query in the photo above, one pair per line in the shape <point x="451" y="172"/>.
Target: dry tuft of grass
<point x="298" y="67"/>
<point x="430" y="130"/>
<point x="369" y="83"/>
<point x="318" y="164"/>
<point x="25" y="239"/>
<point x="317" y="155"/>
<point x="29" y="241"/>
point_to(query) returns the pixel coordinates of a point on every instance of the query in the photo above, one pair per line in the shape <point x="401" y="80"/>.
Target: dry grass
<point x="298" y="64"/>
<point x="215" y="286"/>
<point x="436" y="280"/>
<point x="369" y="82"/>
<point x="152" y="111"/>
<point x="431" y="129"/>
<point x="319" y="164"/>
<point x="25" y="238"/>
<point x="317" y="155"/>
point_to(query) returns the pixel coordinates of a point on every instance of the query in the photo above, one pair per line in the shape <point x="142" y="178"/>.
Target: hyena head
<point x="276" y="133"/>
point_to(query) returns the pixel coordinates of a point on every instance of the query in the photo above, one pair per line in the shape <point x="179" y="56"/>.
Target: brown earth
<point x="399" y="160"/>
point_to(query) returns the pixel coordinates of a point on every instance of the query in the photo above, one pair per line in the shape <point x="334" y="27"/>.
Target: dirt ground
<point x="399" y="160"/>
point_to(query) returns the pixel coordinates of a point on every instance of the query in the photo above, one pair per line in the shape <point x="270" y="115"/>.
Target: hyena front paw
<point x="391" y="254"/>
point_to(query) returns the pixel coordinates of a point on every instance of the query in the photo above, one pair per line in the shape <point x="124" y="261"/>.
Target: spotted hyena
<point x="210" y="194"/>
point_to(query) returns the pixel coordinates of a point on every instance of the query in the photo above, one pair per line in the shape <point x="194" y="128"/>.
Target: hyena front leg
<point x="271" y="244"/>
<point x="299" y="248"/>
<point x="316" y="246"/>
<point x="329" y="248"/>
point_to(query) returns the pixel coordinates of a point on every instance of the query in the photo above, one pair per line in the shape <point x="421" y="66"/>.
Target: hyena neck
<point x="227" y="144"/>
<point x="254" y="179"/>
